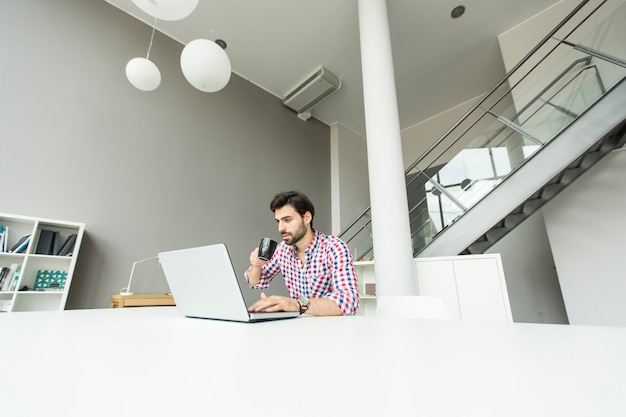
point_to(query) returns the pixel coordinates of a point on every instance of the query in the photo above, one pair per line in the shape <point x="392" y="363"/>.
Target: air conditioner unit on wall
<point x="312" y="91"/>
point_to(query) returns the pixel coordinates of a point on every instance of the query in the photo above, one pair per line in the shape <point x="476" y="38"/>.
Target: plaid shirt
<point x="328" y="272"/>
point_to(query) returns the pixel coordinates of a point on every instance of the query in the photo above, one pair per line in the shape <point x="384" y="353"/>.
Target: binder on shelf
<point x="45" y="243"/>
<point x="21" y="245"/>
<point x="68" y="245"/>
<point x="57" y="244"/>
<point x="50" y="280"/>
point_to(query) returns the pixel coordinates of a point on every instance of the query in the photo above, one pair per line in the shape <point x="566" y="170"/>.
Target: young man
<point x="317" y="268"/>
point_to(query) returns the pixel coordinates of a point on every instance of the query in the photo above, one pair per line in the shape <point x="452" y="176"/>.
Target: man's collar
<point x="313" y="243"/>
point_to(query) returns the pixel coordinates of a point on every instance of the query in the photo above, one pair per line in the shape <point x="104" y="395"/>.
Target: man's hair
<point x="295" y="199"/>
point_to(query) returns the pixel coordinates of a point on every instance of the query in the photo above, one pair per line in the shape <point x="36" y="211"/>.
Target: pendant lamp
<point x="205" y="65"/>
<point x="142" y="73"/>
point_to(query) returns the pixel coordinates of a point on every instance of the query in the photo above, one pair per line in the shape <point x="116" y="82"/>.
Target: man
<point x="317" y="268"/>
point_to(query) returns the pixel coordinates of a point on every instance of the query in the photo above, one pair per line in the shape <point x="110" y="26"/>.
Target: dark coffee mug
<point x="267" y="248"/>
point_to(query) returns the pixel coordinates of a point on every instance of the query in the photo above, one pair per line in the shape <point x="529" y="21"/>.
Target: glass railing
<point x="532" y="105"/>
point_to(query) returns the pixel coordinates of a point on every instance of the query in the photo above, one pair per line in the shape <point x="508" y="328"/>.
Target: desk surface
<point x="153" y="361"/>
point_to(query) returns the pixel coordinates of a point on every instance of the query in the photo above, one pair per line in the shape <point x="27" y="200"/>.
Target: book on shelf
<point x="15" y="280"/>
<point x="45" y="243"/>
<point x="3" y="275"/>
<point x="8" y="276"/>
<point x="21" y="245"/>
<point x="4" y="238"/>
<point x="68" y="246"/>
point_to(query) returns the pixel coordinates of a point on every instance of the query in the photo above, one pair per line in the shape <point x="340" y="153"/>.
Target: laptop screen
<point x="204" y="284"/>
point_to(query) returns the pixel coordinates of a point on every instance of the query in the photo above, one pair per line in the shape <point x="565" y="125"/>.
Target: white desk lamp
<point x="126" y="290"/>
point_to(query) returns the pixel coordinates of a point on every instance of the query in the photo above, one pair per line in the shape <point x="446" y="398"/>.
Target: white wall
<point x="349" y="176"/>
<point x="531" y="278"/>
<point x="587" y="232"/>
<point x="417" y="138"/>
<point x="146" y="172"/>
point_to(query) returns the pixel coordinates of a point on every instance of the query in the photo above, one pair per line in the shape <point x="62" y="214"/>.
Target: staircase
<point x="520" y="145"/>
<point x="577" y="148"/>
<point x="597" y="151"/>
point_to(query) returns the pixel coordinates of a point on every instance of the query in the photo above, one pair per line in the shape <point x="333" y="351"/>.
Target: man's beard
<point x="295" y="238"/>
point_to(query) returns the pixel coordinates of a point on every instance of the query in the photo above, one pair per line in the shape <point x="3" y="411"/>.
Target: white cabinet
<point x="37" y="275"/>
<point x="472" y="287"/>
<point x="435" y="277"/>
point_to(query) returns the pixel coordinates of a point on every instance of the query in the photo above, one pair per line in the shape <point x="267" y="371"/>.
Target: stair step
<point x="531" y="206"/>
<point x="550" y="191"/>
<point x="513" y="220"/>
<point x="496" y="234"/>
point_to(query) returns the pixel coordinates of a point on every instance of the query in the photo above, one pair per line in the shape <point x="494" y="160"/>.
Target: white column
<point x="393" y="254"/>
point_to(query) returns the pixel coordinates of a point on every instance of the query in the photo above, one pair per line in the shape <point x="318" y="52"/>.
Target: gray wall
<point x="146" y="172"/>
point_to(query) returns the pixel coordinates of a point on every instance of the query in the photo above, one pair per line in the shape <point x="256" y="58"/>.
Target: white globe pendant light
<point x="143" y="74"/>
<point x="205" y="65"/>
<point x="167" y="9"/>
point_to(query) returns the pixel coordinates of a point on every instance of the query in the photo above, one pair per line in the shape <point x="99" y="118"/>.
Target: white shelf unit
<point x="24" y="297"/>
<point x="365" y="275"/>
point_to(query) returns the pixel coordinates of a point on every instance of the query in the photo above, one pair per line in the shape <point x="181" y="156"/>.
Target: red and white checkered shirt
<point x="328" y="272"/>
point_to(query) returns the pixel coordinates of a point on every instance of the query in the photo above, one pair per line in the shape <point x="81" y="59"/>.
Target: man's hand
<point x="255" y="262"/>
<point x="274" y="303"/>
<point x="254" y="272"/>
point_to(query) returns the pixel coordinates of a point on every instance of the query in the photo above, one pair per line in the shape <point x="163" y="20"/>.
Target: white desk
<point x="152" y="361"/>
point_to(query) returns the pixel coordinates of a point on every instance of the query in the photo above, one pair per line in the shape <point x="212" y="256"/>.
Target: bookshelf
<point x="367" y="283"/>
<point x="37" y="261"/>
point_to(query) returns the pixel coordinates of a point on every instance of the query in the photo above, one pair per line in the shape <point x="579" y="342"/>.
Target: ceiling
<point x="439" y="61"/>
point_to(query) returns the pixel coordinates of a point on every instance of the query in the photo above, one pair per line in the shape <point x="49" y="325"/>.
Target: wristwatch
<point x="304" y="303"/>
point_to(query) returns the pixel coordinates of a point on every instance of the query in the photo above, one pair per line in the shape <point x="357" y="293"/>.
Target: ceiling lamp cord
<point x="151" y="38"/>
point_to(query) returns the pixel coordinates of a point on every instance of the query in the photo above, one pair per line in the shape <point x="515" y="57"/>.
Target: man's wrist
<point x="303" y="304"/>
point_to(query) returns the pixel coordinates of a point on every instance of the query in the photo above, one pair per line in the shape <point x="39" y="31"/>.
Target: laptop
<point x="204" y="285"/>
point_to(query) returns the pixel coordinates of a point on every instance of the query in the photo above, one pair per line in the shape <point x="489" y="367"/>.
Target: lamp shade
<point x="143" y="74"/>
<point x="167" y="9"/>
<point x="205" y="65"/>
